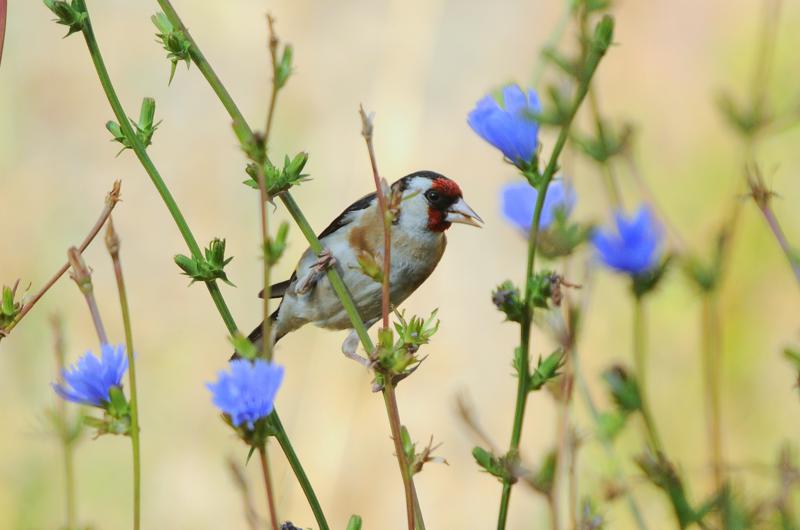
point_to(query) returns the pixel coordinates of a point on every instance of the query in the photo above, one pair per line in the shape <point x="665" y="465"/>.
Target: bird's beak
<point x="460" y="212"/>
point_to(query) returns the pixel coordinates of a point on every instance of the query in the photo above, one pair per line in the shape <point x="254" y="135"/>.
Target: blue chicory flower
<point x="635" y="246"/>
<point x="511" y="128"/>
<point x="89" y="380"/>
<point x="247" y="392"/>
<point x="518" y="201"/>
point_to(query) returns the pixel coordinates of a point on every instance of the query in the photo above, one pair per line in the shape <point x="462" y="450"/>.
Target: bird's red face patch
<point x="446" y="187"/>
<point x="446" y="192"/>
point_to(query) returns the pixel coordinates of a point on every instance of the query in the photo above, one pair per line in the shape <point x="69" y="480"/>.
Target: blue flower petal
<point x="518" y="202"/>
<point x="247" y="392"/>
<point x="90" y="379"/>
<point x="635" y="247"/>
<point x="509" y="128"/>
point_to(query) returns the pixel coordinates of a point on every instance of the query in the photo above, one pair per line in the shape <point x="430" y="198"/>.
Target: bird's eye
<point x="432" y="195"/>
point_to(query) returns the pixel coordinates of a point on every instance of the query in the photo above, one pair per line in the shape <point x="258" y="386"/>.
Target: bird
<point x="429" y="203"/>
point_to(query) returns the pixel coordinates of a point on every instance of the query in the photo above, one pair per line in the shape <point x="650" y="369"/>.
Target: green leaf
<point x="624" y="389"/>
<point x="642" y="284"/>
<point x="544" y="478"/>
<point x="243" y="346"/>
<point x="610" y="424"/>
<point x="354" y="523"/>
<point x="284" y="67"/>
<point x="277" y="180"/>
<point x="546" y="370"/>
<point x="408" y="445"/>
<point x="8" y="301"/>
<point x="175" y="42"/>
<point x="275" y="247"/>
<point x="70" y="14"/>
<point x="208" y="268"/>
<point x="144" y="129"/>
<point x="497" y="467"/>
<point x="603" y="34"/>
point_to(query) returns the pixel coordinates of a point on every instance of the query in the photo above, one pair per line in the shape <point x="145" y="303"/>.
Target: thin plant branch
<point x="113" y="246"/>
<point x="763" y="196"/>
<point x="180" y="221"/>
<point x="67" y="443"/>
<point x="240" y="480"/>
<point x="3" y="18"/>
<point x="273" y="512"/>
<point x="413" y="511"/>
<point x="712" y="357"/>
<point x="112" y="199"/>
<point x="590" y="67"/>
<point x="82" y="277"/>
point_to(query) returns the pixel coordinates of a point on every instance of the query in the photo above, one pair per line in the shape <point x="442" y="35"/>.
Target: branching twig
<point x="273" y="513"/>
<point x="3" y="17"/>
<point x="413" y="511"/>
<point x="112" y="199"/>
<point x="763" y="196"/>
<point x="82" y="276"/>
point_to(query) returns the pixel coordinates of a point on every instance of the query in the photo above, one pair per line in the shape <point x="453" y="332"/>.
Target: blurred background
<point x="421" y="65"/>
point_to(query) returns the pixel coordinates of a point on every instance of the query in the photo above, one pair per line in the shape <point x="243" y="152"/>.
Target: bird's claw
<point x="325" y="261"/>
<point x="350" y="348"/>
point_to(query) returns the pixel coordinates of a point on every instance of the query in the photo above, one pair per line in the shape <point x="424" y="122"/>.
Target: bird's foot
<point x="325" y="261"/>
<point x="350" y="350"/>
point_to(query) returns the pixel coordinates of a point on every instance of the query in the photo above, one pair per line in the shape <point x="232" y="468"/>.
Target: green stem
<point x="177" y="216"/>
<point x="640" y="362"/>
<point x="113" y="248"/>
<point x="712" y="361"/>
<point x="336" y="280"/>
<point x="291" y="205"/>
<point x="595" y="54"/>
<point x="147" y="163"/>
<point x="609" y="179"/>
<point x="302" y="478"/>
<point x="608" y="446"/>
<point x="294" y="210"/>
<point x="553" y="39"/>
<point x="67" y="443"/>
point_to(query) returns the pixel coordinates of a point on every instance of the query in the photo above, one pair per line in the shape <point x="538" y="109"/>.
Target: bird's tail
<point x="257" y="335"/>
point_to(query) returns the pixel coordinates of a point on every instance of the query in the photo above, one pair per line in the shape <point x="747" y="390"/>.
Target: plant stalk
<point x="593" y="60"/>
<point x="712" y="360"/>
<point x="111" y="200"/>
<point x="640" y="363"/>
<point x="792" y="257"/>
<point x="413" y="511"/>
<point x="147" y="163"/>
<point x="113" y="245"/>
<point x="273" y="513"/>
<point x="607" y="444"/>
<point x="297" y="468"/>
<point x="82" y="277"/>
<point x="180" y="221"/>
<point x="67" y="444"/>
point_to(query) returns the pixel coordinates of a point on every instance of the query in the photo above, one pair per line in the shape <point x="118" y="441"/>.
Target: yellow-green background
<point x="420" y="65"/>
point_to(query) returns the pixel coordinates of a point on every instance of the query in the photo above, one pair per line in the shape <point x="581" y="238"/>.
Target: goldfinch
<point x="428" y="204"/>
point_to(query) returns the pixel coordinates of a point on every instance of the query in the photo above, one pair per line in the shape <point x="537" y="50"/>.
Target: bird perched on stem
<point x="424" y="205"/>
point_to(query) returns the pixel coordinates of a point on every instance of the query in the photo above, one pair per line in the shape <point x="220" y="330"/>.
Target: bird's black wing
<point x="279" y="289"/>
<point x="342" y="220"/>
